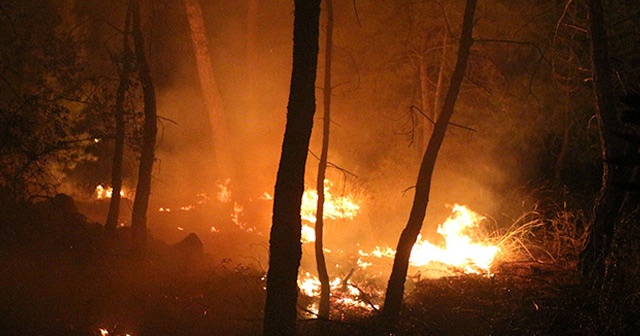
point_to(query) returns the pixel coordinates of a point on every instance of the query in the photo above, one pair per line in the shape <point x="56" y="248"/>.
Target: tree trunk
<point x="253" y="7"/>
<point x="150" y="130"/>
<point x="395" y="287"/>
<point x="323" y="275"/>
<point x="285" y="247"/>
<point x="425" y="127"/>
<point x="608" y="205"/>
<point x="118" y="152"/>
<point x="209" y="87"/>
<point x="437" y="96"/>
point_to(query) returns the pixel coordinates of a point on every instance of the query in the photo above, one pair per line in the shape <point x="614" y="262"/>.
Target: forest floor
<point x="64" y="276"/>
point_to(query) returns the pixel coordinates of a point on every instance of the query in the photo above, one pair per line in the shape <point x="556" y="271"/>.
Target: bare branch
<point x="413" y="107"/>
<point x="525" y="43"/>
<point x="333" y="165"/>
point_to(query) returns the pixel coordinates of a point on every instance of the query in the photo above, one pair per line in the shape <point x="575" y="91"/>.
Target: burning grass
<point x="526" y="285"/>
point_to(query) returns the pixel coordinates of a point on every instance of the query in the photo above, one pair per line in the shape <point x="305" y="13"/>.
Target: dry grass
<point x="553" y="235"/>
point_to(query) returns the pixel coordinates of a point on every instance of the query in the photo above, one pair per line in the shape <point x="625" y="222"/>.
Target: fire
<point x="343" y="293"/>
<point x="103" y="193"/>
<point x="105" y="332"/>
<point x="460" y="251"/>
<point x="308" y="234"/>
<point x="335" y="207"/>
<point x="224" y="193"/>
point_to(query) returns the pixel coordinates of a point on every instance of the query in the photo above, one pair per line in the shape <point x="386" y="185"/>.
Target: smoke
<point x="485" y="159"/>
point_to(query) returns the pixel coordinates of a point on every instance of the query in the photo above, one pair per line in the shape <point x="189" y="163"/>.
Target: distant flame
<point x="105" y="332"/>
<point x="103" y="193"/>
<point x="224" y="193"/>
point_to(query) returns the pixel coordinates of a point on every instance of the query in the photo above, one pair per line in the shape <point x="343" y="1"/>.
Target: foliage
<point x="43" y="99"/>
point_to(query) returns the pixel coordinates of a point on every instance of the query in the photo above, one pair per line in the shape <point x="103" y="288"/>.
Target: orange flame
<point x="335" y="207"/>
<point x="103" y="193"/>
<point x="460" y="251"/>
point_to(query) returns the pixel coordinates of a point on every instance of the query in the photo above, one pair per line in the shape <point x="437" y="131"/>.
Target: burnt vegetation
<point x="141" y="192"/>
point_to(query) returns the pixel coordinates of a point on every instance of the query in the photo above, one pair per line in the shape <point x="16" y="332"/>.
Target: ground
<point x="62" y="275"/>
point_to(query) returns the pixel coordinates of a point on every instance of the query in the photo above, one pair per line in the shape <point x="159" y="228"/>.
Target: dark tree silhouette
<point x="395" y="287"/>
<point x="285" y="248"/>
<point x="608" y="205"/>
<point x="118" y="112"/>
<point x="150" y="130"/>
<point x="610" y="259"/>
<point x="323" y="275"/>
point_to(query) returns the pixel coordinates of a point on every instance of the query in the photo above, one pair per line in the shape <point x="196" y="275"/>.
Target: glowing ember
<point x="103" y="193"/>
<point x="342" y="294"/>
<point x="105" y="332"/>
<point x="335" y="207"/>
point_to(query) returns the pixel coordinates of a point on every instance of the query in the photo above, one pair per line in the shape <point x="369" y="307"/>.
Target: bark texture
<point x="284" y="242"/>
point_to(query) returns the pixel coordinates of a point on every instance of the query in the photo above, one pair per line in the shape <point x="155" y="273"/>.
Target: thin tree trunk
<point x="150" y="130"/>
<point x="253" y="7"/>
<point x="395" y="287"/>
<point x="608" y="205"/>
<point x="437" y="96"/>
<point x="118" y="152"/>
<point x="209" y="86"/>
<point x="323" y="275"/>
<point x="426" y="126"/>
<point x="284" y="242"/>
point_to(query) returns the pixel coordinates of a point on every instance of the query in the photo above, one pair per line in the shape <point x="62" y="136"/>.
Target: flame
<point x="266" y="196"/>
<point x="224" y="193"/>
<point x="103" y="193"/>
<point x="335" y="207"/>
<point x="344" y="294"/>
<point x="308" y="234"/>
<point x="105" y="332"/>
<point x="460" y="251"/>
